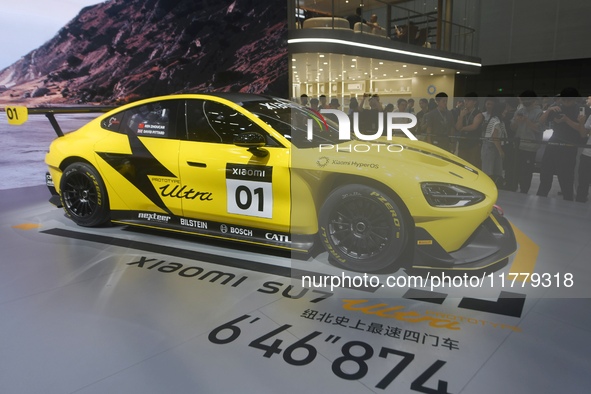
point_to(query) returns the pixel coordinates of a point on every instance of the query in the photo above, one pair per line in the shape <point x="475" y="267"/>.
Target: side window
<point x="226" y="123"/>
<point x="198" y="125"/>
<point x="209" y="121"/>
<point x="113" y="123"/>
<point x="151" y="120"/>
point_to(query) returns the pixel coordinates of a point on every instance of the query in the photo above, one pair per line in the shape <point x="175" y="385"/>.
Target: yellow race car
<point x="266" y="171"/>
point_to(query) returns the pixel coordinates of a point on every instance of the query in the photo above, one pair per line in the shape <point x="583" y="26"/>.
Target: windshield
<point x="291" y="120"/>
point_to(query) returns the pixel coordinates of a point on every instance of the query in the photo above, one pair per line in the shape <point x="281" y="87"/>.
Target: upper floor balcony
<point x="384" y="29"/>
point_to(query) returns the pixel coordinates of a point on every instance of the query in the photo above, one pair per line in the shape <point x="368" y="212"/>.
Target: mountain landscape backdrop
<point x="122" y="50"/>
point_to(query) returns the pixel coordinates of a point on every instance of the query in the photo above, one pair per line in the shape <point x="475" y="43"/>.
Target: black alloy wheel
<point x="362" y="228"/>
<point x="84" y="196"/>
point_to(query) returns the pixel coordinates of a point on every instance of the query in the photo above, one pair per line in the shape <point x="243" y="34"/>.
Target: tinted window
<point x="291" y="120"/>
<point x="113" y="122"/>
<point x="198" y="126"/>
<point x="209" y="121"/>
<point x="150" y="120"/>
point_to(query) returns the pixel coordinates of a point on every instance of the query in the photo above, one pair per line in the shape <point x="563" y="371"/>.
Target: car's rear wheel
<point x="84" y="196"/>
<point x="363" y="229"/>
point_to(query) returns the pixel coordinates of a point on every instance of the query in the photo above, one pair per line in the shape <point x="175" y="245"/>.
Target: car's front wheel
<point x="362" y="228"/>
<point x="84" y="196"/>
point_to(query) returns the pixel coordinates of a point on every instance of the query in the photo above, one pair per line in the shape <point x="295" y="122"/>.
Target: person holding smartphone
<point x="560" y="156"/>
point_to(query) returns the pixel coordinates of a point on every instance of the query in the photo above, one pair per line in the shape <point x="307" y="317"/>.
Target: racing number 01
<point x="249" y="190"/>
<point x="16" y="115"/>
<point x="12" y="114"/>
<point x="251" y="198"/>
<point x="247" y="202"/>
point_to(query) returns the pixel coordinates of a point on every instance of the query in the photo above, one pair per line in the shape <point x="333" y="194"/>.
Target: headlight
<point x="446" y="195"/>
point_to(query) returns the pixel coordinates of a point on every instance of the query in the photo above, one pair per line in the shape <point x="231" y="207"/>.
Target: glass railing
<point x="429" y="29"/>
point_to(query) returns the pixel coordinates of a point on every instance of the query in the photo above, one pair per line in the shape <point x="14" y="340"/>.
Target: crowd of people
<point x="504" y="138"/>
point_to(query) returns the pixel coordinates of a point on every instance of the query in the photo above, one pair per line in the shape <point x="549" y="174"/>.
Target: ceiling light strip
<point x="378" y="48"/>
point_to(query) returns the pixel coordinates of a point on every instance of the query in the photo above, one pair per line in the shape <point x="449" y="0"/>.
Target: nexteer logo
<point x="345" y="125"/>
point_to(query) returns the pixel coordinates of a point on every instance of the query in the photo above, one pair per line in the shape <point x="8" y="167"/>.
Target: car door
<point x="229" y="184"/>
<point x="140" y="159"/>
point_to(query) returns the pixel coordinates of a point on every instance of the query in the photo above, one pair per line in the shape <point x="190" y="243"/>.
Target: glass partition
<point x="437" y="24"/>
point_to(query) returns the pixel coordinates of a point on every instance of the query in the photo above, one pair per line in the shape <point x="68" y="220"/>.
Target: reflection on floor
<point x="108" y="310"/>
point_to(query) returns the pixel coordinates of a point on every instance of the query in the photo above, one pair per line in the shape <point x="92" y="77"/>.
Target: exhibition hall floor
<point x="113" y="310"/>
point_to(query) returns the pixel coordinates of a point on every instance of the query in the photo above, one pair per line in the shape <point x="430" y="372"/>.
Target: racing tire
<point x="363" y="229"/>
<point x="84" y="196"/>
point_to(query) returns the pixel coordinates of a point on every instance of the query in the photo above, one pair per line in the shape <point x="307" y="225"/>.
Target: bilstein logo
<point x="345" y="125"/>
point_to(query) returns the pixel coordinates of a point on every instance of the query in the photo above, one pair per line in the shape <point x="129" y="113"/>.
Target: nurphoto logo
<point x="345" y="125"/>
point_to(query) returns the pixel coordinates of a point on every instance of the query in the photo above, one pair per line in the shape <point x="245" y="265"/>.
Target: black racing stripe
<point x="190" y="254"/>
<point x="137" y="169"/>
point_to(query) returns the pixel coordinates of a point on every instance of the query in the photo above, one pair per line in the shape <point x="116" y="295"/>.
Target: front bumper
<point x="488" y="249"/>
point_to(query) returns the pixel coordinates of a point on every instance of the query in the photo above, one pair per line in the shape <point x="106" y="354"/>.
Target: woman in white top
<point x="492" y="150"/>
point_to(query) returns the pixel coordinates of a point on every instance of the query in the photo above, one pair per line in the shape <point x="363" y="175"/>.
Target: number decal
<point x="362" y="368"/>
<point x="249" y="190"/>
<point x="16" y="115"/>
<point x="353" y="364"/>
<point x="215" y="337"/>
<point x="272" y="349"/>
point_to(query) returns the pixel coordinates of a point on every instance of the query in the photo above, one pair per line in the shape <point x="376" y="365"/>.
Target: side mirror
<point x="253" y="141"/>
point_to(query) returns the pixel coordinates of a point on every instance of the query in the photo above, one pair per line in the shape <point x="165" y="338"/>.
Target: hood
<point x="416" y="159"/>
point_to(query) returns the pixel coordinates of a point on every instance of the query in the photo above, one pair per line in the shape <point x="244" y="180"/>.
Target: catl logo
<point x="345" y="125"/>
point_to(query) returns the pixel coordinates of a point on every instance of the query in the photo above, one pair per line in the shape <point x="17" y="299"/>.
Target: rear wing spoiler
<point x="17" y="115"/>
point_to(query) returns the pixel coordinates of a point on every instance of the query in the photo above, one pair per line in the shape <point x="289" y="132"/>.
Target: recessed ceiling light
<point x="431" y="74"/>
<point x="353" y="60"/>
<point x="424" y="68"/>
<point x="416" y="72"/>
<point x="404" y="65"/>
<point x="457" y="72"/>
<point x="402" y="76"/>
<point x="442" y="70"/>
<point x="321" y="55"/>
<point x="381" y="63"/>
